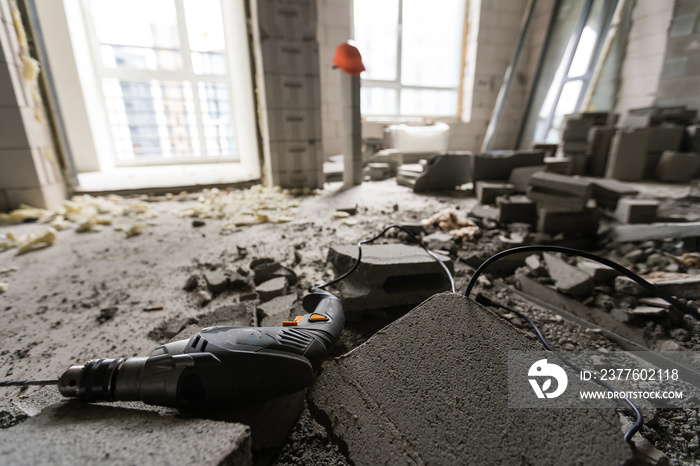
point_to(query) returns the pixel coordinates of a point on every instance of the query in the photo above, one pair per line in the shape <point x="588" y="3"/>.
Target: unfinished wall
<point x="644" y="55"/>
<point x="679" y="83"/>
<point x="334" y="28"/>
<point x="29" y="170"/>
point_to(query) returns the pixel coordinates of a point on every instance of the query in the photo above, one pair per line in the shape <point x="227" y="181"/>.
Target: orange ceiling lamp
<point x="347" y="57"/>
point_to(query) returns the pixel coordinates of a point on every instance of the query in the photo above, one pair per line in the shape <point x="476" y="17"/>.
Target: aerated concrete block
<point x="516" y="209"/>
<point x="599" y="140"/>
<point x="628" y="155"/>
<point x="631" y="210"/>
<point x="487" y="192"/>
<point x="77" y="433"/>
<point x="520" y="177"/>
<point x="431" y="388"/>
<point x="389" y="275"/>
<point x="497" y="165"/>
<point x="678" y="167"/>
<point x="585" y="222"/>
<point x="567" y="278"/>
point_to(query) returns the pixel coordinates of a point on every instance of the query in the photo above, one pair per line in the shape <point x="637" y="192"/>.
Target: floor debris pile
<point x="221" y="258"/>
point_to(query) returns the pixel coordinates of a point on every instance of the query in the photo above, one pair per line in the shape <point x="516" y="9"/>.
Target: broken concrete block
<point x="520" y="177"/>
<point x="488" y="191"/>
<point x="446" y="170"/>
<point x="534" y="263"/>
<point x="73" y="432"/>
<point x="653" y="231"/>
<point x="599" y="141"/>
<point x="274" y="312"/>
<point x="485" y="211"/>
<point x="516" y="209"/>
<point x="381" y="400"/>
<point x="497" y="165"/>
<point x="388" y="275"/>
<point x="440" y="241"/>
<point x="647" y="311"/>
<point x="631" y="210"/>
<point x="265" y="269"/>
<point x="607" y="192"/>
<point x="217" y="281"/>
<point x="601" y="274"/>
<point x="678" y="167"/>
<point x="585" y="222"/>
<point x="628" y="155"/>
<point x="407" y="174"/>
<point x="567" y="278"/>
<point x="272" y="288"/>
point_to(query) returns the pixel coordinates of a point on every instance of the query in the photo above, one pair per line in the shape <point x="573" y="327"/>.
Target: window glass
<point x="376" y="34"/>
<point x="150" y="41"/>
<point x="431" y="43"/>
<point x="206" y="36"/>
<point x="416" y="102"/>
<point x="378" y="101"/>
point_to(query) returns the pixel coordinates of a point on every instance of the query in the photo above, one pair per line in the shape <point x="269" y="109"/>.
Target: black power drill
<point x="219" y="366"/>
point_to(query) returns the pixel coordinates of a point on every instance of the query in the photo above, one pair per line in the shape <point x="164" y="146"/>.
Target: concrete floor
<point x="87" y="295"/>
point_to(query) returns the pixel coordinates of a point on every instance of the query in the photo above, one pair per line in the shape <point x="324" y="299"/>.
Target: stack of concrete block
<point x="574" y="139"/>
<point x="291" y="102"/>
<point x="498" y="165"/>
<point x="29" y="169"/>
<point x="562" y="204"/>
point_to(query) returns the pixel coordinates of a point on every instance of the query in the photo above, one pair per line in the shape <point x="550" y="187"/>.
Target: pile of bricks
<point x="575" y="132"/>
<point x="291" y="101"/>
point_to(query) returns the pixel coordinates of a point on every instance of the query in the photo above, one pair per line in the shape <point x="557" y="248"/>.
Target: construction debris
<point x="450" y="221"/>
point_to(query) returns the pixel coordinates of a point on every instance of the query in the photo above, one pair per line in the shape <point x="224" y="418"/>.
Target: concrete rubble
<point x="389" y="275"/>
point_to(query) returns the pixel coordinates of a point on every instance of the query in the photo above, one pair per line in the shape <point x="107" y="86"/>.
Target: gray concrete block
<point x="561" y="165"/>
<point x="272" y="288"/>
<point x="516" y="209"/>
<point x="631" y="210"/>
<point x="444" y="171"/>
<point x="497" y="165"/>
<point x="388" y="275"/>
<point x="607" y="192"/>
<point x="663" y="138"/>
<point x="520" y="177"/>
<point x="653" y="231"/>
<point x="556" y="183"/>
<point x="556" y="201"/>
<point x="567" y="278"/>
<point x="627" y="159"/>
<point x="275" y="311"/>
<point x="488" y="191"/>
<point x="585" y="222"/>
<point x="678" y="167"/>
<point x="431" y="389"/>
<point x="599" y="141"/>
<point x="75" y="433"/>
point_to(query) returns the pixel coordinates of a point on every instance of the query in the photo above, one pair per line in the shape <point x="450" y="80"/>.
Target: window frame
<point x="396" y="83"/>
<point x="69" y="68"/>
<point x="184" y="75"/>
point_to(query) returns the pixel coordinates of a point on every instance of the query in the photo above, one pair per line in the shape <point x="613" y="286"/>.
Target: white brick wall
<point x="29" y="172"/>
<point x="646" y="44"/>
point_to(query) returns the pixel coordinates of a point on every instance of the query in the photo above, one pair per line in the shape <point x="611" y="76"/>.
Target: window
<point x="572" y="54"/>
<point x="412" y="52"/>
<point x="163" y="72"/>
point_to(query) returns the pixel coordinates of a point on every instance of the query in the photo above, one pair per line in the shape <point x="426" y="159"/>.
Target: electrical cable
<point x="366" y="241"/>
<point x="549" y="248"/>
<point x="481" y="299"/>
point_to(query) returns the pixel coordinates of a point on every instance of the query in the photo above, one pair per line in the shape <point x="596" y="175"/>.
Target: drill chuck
<point x="219" y="365"/>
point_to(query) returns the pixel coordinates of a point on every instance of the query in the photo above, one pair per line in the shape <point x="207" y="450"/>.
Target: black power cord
<point x="561" y="249"/>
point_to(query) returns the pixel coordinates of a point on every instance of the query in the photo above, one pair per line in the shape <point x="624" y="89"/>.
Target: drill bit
<point x="26" y="383"/>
